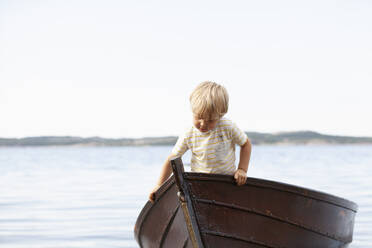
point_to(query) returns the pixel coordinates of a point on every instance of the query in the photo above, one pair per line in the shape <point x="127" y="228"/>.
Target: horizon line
<point x="166" y="136"/>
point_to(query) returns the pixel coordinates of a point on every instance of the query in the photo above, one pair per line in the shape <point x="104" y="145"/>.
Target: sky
<point x="118" y="68"/>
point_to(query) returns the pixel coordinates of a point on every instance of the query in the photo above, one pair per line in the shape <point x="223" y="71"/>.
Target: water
<point x="91" y="196"/>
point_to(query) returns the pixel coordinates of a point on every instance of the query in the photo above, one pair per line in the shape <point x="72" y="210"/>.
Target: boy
<point x="211" y="139"/>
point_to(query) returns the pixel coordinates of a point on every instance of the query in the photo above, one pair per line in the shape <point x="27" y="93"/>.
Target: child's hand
<point x="152" y="194"/>
<point x="240" y="177"/>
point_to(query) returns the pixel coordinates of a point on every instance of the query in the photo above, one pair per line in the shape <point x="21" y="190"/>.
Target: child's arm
<point x="245" y="154"/>
<point x="179" y="149"/>
<point x="166" y="171"/>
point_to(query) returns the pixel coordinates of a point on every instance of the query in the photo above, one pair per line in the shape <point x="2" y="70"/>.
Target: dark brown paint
<point x="261" y="213"/>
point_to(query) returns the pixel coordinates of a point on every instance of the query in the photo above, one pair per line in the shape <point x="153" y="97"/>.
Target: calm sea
<point x="90" y="197"/>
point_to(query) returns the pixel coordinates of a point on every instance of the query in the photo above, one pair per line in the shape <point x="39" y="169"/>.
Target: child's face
<point x="204" y="124"/>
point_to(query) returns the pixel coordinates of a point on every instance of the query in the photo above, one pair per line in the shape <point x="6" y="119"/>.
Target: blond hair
<point x="209" y="100"/>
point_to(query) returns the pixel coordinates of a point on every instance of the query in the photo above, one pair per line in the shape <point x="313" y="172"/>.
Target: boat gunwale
<point x="263" y="183"/>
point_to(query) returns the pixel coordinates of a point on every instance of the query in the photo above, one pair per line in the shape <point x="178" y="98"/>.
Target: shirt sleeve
<point x="238" y="136"/>
<point x="180" y="147"/>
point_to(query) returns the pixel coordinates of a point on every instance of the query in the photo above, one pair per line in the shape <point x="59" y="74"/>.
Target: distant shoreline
<point x="283" y="138"/>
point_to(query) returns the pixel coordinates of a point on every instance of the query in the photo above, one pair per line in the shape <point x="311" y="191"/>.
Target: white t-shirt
<point x="212" y="151"/>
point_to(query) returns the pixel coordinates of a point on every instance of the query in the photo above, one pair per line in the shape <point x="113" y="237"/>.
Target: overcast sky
<point x="126" y="68"/>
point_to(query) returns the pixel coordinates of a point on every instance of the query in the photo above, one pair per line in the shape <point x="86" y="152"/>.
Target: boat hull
<point x="214" y="212"/>
<point x="162" y="224"/>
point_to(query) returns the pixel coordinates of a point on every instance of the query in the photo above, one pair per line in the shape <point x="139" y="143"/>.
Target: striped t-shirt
<point x="212" y="151"/>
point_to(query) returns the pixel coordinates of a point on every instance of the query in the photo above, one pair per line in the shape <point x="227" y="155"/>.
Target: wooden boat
<point x="208" y="210"/>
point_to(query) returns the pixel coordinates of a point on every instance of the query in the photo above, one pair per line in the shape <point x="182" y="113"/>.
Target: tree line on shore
<point x="298" y="137"/>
